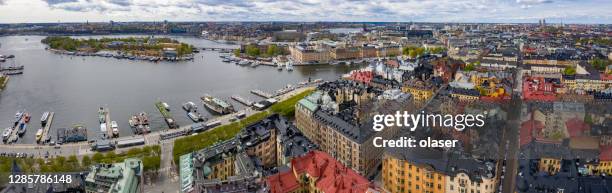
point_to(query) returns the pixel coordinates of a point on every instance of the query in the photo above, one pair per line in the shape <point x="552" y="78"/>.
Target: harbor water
<point x="74" y="87"/>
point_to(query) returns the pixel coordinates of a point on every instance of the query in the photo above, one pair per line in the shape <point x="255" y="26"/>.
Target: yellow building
<point x="550" y="165"/>
<point x="308" y="54"/>
<point x="412" y="170"/>
<point x="419" y="93"/>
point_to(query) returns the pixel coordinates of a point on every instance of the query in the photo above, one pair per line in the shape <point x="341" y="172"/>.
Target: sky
<point x="497" y="11"/>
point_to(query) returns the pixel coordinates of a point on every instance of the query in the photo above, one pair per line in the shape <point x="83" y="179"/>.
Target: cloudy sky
<point x="568" y="11"/>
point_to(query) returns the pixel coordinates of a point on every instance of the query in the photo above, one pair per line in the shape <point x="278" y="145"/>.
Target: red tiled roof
<point x="605" y="76"/>
<point x="282" y="182"/>
<point x="606" y="153"/>
<point x="331" y="175"/>
<point x="527" y="130"/>
<point x="362" y="76"/>
<point x="576" y="127"/>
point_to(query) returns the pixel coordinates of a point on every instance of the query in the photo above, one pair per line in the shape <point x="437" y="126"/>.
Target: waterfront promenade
<point x="153" y="138"/>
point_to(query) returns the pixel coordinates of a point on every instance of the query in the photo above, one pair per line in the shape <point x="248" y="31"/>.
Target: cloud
<point x="329" y="10"/>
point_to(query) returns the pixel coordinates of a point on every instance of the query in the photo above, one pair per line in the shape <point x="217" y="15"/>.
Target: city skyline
<point x="496" y="11"/>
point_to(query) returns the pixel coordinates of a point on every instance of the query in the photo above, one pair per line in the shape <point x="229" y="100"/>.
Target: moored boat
<point x="39" y="135"/>
<point x="115" y="128"/>
<point x="217" y="105"/>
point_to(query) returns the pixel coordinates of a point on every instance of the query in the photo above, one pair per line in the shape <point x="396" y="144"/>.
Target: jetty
<point x="242" y="100"/>
<point x="46" y="127"/>
<point x="109" y="130"/>
<point x="262" y="93"/>
<point x="165" y="112"/>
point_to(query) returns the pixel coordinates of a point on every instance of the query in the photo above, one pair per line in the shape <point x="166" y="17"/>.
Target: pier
<point x="45" y="135"/>
<point x="166" y="114"/>
<point x="242" y="100"/>
<point x="109" y="130"/>
<point x="262" y="93"/>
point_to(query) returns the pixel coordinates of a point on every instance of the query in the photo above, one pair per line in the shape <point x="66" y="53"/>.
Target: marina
<point x="46" y="77"/>
<point x="139" y="123"/>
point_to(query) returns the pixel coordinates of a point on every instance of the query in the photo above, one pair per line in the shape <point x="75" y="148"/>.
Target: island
<point x="133" y="48"/>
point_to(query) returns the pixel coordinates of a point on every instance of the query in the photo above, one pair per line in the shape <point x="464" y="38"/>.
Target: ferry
<point x="115" y="128"/>
<point x="217" y="105"/>
<point x="7" y="133"/>
<point x="44" y="118"/>
<point x="39" y="135"/>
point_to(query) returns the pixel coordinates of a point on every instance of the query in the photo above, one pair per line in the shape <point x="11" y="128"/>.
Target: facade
<point x="336" y="130"/>
<point x="435" y="171"/>
<point x="124" y="177"/>
<point x="303" y="54"/>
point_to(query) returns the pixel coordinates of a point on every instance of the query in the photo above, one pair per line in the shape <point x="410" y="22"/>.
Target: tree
<point x="569" y="71"/>
<point x="469" y="67"/>
<point x="86" y="161"/>
<point x="273" y="50"/>
<point x="412" y="53"/>
<point x="600" y="64"/>
<point x="237" y="52"/>
<point x="97" y="157"/>
<point x="252" y="50"/>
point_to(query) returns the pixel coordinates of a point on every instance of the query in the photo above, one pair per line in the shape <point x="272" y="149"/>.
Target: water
<point x="75" y="87"/>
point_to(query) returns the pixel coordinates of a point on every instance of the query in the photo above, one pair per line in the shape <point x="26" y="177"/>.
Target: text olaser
<point x="410" y="142"/>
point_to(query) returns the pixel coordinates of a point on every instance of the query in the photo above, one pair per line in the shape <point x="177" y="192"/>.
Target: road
<point x="511" y="137"/>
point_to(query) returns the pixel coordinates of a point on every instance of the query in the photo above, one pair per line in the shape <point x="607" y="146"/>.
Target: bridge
<point x="217" y="49"/>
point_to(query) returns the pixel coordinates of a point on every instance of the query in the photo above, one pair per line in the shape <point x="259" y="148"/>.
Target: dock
<point x="166" y="114"/>
<point x="242" y="100"/>
<point x="109" y="130"/>
<point x="45" y="136"/>
<point x="262" y="93"/>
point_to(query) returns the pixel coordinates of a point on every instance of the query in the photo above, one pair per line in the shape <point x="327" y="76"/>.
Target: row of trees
<point x="414" y="52"/>
<point x="193" y="143"/>
<point x="254" y="51"/>
<point x="600" y="64"/>
<point x="129" y="44"/>
<point x="150" y="156"/>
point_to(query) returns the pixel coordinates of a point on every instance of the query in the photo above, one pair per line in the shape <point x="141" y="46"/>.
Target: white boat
<point x="103" y="127"/>
<point x="39" y="135"/>
<point x="7" y="133"/>
<point x="115" y="128"/>
<point x="289" y="66"/>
